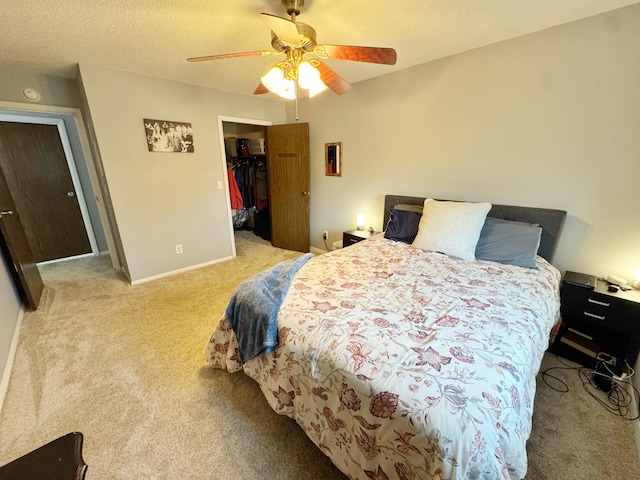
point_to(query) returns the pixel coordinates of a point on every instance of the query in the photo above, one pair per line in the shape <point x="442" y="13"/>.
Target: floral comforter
<point x="402" y="363"/>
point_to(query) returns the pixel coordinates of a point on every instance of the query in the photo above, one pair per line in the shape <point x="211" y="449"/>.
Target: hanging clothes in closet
<point x="234" y="191"/>
<point x="250" y="175"/>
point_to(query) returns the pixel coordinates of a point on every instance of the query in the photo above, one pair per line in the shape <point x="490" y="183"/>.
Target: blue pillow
<point x="508" y="242"/>
<point x="403" y="224"/>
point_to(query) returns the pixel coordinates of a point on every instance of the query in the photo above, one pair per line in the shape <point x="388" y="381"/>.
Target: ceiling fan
<point x="302" y="65"/>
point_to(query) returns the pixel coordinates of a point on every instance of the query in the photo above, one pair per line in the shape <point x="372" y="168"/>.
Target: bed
<point x="404" y="362"/>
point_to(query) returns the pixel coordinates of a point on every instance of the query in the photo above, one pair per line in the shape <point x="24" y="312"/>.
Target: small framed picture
<point x="168" y="136"/>
<point x="333" y="159"/>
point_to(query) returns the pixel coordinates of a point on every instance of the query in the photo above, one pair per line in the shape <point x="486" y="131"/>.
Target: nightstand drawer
<point x="354" y="236"/>
<point x="592" y="307"/>
<point x="350" y="240"/>
<point x="594" y="304"/>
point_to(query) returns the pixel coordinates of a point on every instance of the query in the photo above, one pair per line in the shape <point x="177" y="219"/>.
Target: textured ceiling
<point x="155" y="37"/>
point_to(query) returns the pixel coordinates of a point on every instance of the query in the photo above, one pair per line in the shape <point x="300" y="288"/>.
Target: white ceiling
<point x="155" y="37"/>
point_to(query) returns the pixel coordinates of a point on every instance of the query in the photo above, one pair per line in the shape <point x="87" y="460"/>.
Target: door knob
<point x="6" y="212"/>
<point x="306" y="193"/>
<point x="71" y="194"/>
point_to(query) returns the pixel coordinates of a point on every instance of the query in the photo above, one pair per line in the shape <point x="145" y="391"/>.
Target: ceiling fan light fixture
<point x="276" y="82"/>
<point x="296" y="40"/>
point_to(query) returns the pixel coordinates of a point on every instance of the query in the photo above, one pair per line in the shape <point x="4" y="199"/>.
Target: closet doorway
<point x="279" y="212"/>
<point x="247" y="175"/>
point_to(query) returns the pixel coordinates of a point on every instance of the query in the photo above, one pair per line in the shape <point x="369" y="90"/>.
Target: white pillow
<point x="451" y="227"/>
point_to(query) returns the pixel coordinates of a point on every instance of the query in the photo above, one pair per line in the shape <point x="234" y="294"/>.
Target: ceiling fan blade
<point x="260" y="89"/>
<point x="386" y="56"/>
<point x="232" y="55"/>
<point x="284" y="29"/>
<point x="330" y="78"/>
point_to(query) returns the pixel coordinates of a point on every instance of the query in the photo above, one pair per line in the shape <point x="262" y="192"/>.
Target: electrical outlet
<point x="325" y="235"/>
<point x="179" y="248"/>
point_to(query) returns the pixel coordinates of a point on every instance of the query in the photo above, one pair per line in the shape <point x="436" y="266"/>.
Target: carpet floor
<point x="125" y="366"/>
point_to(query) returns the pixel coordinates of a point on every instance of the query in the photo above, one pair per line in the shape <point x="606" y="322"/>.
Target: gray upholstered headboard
<point x="550" y="220"/>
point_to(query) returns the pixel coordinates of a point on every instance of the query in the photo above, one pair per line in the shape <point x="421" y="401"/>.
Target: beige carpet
<point x="125" y="366"/>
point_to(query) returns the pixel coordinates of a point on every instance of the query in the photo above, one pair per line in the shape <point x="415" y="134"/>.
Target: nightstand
<point x="354" y="236"/>
<point x="595" y="320"/>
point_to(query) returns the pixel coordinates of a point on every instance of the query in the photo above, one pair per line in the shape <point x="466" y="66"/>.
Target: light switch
<point x="219" y="184"/>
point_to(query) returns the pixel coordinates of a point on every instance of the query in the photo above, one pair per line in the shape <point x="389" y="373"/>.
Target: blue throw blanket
<point x="253" y="308"/>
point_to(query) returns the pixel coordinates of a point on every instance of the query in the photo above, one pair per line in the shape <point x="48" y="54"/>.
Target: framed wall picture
<point x="333" y="159"/>
<point x="168" y="136"/>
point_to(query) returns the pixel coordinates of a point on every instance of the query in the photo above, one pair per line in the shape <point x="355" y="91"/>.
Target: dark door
<point x="288" y="172"/>
<point x="35" y="168"/>
<point x="15" y="249"/>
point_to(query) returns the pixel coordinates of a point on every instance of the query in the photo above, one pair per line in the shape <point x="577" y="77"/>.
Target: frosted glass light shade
<point x="360" y="221"/>
<point x="307" y="75"/>
<point x="317" y="88"/>
<point x="274" y="81"/>
<point x="309" y="79"/>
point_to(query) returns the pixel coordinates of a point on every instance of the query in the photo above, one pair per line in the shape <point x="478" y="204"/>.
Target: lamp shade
<point x="360" y="221"/>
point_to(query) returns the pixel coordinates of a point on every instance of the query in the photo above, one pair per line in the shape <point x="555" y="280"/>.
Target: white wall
<point x="10" y="309"/>
<point x="55" y="91"/>
<point x="164" y="199"/>
<point x="551" y="119"/>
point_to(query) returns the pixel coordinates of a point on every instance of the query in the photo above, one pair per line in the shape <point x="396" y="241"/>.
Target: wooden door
<point x="15" y="249"/>
<point x="35" y="168"/>
<point x="288" y="172"/>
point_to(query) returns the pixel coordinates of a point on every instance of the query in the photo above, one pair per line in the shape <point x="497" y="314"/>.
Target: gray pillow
<point x="509" y="242"/>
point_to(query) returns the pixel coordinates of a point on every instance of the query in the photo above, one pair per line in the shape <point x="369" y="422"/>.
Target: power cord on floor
<point x="619" y="400"/>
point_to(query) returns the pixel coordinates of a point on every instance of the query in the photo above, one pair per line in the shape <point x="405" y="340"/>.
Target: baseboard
<point x="65" y="259"/>
<point x="181" y="270"/>
<point x="317" y="251"/>
<point x="6" y="375"/>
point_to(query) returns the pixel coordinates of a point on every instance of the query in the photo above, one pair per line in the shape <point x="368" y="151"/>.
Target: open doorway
<point x="242" y="169"/>
<point x="65" y="128"/>
<point x="286" y="153"/>
<point x="247" y="175"/>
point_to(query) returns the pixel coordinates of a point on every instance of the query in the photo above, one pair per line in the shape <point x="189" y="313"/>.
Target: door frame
<point x="223" y="152"/>
<point x="60" y="113"/>
<point x="71" y="165"/>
